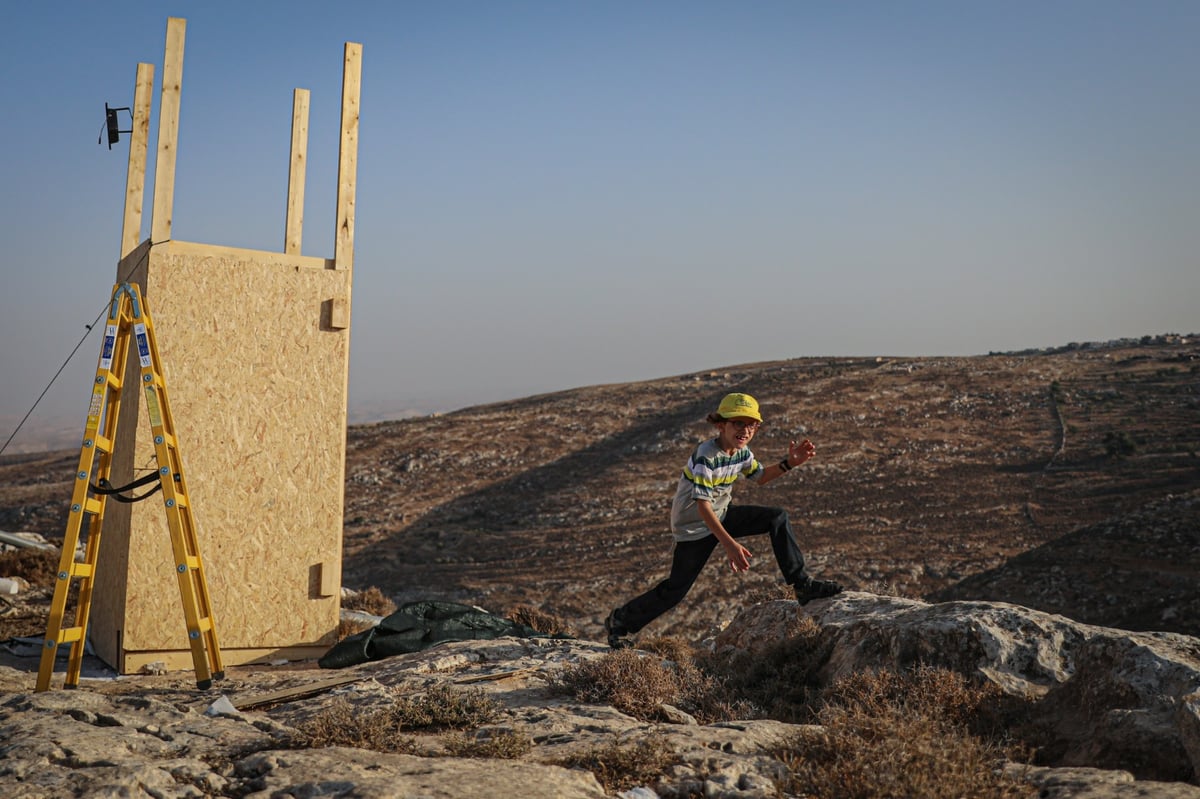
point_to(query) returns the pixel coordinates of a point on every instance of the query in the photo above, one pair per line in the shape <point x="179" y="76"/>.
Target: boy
<point x="702" y="517"/>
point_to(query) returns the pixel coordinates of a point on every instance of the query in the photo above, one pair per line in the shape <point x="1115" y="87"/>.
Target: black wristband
<point x="783" y="464"/>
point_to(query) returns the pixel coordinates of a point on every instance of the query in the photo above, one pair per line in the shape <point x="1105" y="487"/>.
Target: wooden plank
<point x="343" y="251"/>
<point x="294" y="692"/>
<point x="168" y="130"/>
<point x="495" y="676"/>
<point x="296" y="173"/>
<point x="135" y="176"/>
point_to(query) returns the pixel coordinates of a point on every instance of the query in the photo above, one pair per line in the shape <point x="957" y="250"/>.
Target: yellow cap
<point x="734" y="405"/>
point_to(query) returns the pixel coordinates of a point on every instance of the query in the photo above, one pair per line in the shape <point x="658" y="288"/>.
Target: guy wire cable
<point x="103" y="313"/>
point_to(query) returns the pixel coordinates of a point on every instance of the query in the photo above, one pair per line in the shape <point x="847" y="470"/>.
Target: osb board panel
<point x="256" y="379"/>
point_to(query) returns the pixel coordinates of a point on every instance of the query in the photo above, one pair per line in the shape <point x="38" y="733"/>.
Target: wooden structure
<point x="255" y="346"/>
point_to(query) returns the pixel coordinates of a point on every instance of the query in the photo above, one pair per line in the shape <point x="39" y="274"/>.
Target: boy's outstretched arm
<point x="739" y="556"/>
<point x="798" y="452"/>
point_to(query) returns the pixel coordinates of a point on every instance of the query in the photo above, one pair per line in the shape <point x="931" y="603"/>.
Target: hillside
<point x="965" y="477"/>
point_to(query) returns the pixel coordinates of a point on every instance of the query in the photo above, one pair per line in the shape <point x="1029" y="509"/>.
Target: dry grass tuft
<point x="341" y="724"/>
<point x="627" y="679"/>
<point x="639" y="683"/>
<point x="886" y="735"/>
<point x="443" y="707"/>
<point x="545" y="623"/>
<point x="370" y="601"/>
<point x="503" y="745"/>
<point x="777" y="682"/>
<point x="620" y="767"/>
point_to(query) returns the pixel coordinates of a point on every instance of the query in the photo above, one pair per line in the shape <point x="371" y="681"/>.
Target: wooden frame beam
<point x="135" y="177"/>
<point x="294" y="229"/>
<point x="343" y="249"/>
<point x="168" y="130"/>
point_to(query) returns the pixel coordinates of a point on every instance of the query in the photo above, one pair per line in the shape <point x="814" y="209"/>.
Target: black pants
<point x="690" y="556"/>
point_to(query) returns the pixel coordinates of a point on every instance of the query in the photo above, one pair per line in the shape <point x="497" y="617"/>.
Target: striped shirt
<point x="709" y="475"/>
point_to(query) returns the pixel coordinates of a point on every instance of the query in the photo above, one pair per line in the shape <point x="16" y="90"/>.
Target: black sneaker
<point x="810" y="589"/>
<point x="618" y="638"/>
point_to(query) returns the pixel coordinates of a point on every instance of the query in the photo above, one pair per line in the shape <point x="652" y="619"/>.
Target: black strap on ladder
<point x="106" y="488"/>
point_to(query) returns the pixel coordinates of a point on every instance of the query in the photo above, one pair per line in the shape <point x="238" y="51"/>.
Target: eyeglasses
<point x="740" y="425"/>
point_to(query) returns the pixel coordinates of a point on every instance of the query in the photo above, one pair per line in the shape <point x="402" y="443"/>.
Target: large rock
<point x="1112" y="698"/>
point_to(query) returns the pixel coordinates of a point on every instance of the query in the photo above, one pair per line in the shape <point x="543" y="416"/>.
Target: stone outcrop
<point x="1125" y="707"/>
<point x="1108" y="697"/>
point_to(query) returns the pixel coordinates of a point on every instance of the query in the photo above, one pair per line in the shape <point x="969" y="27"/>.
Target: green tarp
<point x="420" y="625"/>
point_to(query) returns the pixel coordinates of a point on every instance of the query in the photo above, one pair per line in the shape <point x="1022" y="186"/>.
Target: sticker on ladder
<point x="94" y="410"/>
<point x="106" y="353"/>
<point x="152" y="407"/>
<point x="143" y="344"/>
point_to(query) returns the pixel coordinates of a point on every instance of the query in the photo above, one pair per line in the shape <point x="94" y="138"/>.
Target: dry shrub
<point x="545" y="623"/>
<point x="502" y="744"/>
<point x="887" y="735"/>
<point x="38" y="566"/>
<point x="379" y="729"/>
<point x="620" y="768"/>
<point x="674" y="649"/>
<point x="372" y="601"/>
<point x="935" y="695"/>
<point x="341" y="724"/>
<point x="627" y="679"/>
<point x="639" y="684"/>
<point x="778" y="681"/>
<point x="447" y="707"/>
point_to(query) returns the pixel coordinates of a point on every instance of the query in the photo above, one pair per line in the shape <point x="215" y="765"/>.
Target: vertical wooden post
<point x="135" y="177"/>
<point x="343" y="249"/>
<point x="168" y="130"/>
<point x="294" y="230"/>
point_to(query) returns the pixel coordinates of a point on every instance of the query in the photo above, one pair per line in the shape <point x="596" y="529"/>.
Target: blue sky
<point x="557" y="194"/>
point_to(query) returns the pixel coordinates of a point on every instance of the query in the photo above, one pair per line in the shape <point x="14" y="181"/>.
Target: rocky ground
<point x="1065" y="480"/>
<point x="1117" y="704"/>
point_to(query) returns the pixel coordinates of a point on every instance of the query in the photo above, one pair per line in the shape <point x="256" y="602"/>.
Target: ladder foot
<point x="204" y="685"/>
<point x="218" y="675"/>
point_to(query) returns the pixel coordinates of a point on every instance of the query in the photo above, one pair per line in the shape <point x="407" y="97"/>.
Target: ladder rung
<point x="205" y="624"/>
<point x="69" y="635"/>
<point x="82" y="570"/>
<point x="103" y="444"/>
<point x="91" y="505"/>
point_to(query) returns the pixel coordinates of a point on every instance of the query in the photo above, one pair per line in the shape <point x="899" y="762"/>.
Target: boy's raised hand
<point x="800" y="451"/>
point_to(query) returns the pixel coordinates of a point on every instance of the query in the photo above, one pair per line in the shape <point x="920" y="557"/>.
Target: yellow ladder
<point x="128" y="317"/>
